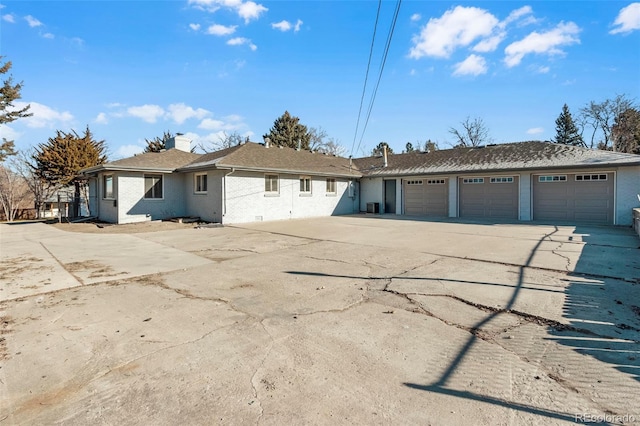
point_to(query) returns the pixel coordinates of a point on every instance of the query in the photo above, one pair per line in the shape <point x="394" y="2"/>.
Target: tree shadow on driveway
<point x="604" y="323"/>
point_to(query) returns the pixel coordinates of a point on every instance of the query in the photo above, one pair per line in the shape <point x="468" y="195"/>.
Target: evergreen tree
<point x="9" y="92"/>
<point x="157" y="144"/>
<point x="287" y="131"/>
<point x="60" y="159"/>
<point x="625" y="132"/>
<point x="378" y="150"/>
<point x="566" y="130"/>
<point x="409" y="147"/>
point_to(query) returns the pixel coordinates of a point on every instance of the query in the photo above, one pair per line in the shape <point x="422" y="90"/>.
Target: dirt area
<point x="343" y="320"/>
<point x="127" y="228"/>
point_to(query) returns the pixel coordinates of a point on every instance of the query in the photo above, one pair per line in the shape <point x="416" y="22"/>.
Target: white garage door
<point x="489" y="197"/>
<point x="580" y="197"/>
<point x="426" y="197"/>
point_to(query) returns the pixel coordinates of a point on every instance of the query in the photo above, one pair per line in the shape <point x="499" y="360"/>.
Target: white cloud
<point x="239" y="41"/>
<point x="33" y="22"/>
<point x="229" y="123"/>
<point x="543" y="69"/>
<point x="416" y="17"/>
<point x="516" y="14"/>
<point x="115" y="105"/>
<point x="282" y="25"/>
<point x="548" y="43"/>
<point x="194" y="27"/>
<point x="148" y="113"/>
<point x="457" y="27"/>
<point x="535" y="131"/>
<point x="285" y="25"/>
<point x="48" y="35"/>
<point x="473" y="65"/>
<point x="101" y="118"/>
<point x="490" y="44"/>
<point x="211" y="124"/>
<point x="248" y="10"/>
<point x="125" y="151"/>
<point x="413" y="72"/>
<point x="221" y="30"/>
<point x="9" y="18"/>
<point x="628" y="19"/>
<point x="181" y="112"/>
<point x="8" y="133"/>
<point x="43" y="116"/>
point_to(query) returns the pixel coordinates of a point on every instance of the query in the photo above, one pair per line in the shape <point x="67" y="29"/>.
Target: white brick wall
<point x="207" y="206"/>
<point x="627" y="190"/>
<point x="371" y="191"/>
<point x="133" y="207"/>
<point x="246" y="200"/>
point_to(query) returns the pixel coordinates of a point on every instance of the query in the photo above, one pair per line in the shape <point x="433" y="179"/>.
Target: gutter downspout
<point x="224" y="194"/>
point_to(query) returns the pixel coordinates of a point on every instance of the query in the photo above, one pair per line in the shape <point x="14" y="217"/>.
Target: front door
<point x="390" y="196"/>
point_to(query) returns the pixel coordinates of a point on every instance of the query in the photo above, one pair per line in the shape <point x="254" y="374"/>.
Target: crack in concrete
<point x="255" y="373"/>
<point x="555" y="251"/>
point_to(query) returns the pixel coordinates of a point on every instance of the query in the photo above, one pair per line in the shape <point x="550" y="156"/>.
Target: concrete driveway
<point x="348" y="320"/>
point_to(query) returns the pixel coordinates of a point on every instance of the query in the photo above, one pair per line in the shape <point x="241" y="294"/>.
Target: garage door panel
<point x="426" y="199"/>
<point x="489" y="200"/>
<point x="573" y="199"/>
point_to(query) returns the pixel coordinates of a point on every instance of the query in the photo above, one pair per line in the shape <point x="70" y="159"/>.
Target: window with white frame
<point x="107" y="186"/>
<point x="414" y="182"/>
<point x="501" y="179"/>
<point x="331" y="186"/>
<point x="200" y="183"/>
<point x="435" y="182"/>
<point x="582" y="178"/>
<point x="473" y="180"/>
<point x="552" y="178"/>
<point x="271" y="184"/>
<point x="152" y="186"/>
<point x="305" y="185"/>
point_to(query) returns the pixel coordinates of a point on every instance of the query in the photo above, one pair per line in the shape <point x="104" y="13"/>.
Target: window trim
<point x="331" y="182"/>
<point x="268" y="177"/>
<point x="473" y="181"/>
<point x="104" y="187"/>
<point x="196" y="184"/>
<point x="413" y="182"/>
<point x="599" y="177"/>
<point x="441" y="181"/>
<point x="303" y="181"/>
<point x="150" y="175"/>
<point x="552" y="178"/>
<point x="502" y="179"/>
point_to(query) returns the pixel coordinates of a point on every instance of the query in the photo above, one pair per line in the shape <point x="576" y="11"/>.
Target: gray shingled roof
<point x="253" y="156"/>
<point x="511" y="156"/>
<point x="165" y="161"/>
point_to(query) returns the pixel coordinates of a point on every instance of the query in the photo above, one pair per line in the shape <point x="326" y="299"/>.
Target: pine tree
<point x="157" y="144"/>
<point x="287" y="131"/>
<point x="60" y="159"/>
<point x="9" y="92"/>
<point x="409" y="147"/>
<point x="566" y="130"/>
<point x="379" y="150"/>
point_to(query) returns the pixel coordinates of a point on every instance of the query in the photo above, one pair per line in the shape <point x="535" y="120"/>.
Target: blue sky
<point x="134" y="69"/>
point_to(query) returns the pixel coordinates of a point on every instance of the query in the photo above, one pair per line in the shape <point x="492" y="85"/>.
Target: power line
<point x="384" y="60"/>
<point x="366" y="77"/>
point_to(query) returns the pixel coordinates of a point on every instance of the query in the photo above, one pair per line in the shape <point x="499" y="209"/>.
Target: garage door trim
<point x="486" y="179"/>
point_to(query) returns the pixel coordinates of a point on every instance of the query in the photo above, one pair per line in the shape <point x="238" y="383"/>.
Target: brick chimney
<point x="179" y="141"/>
